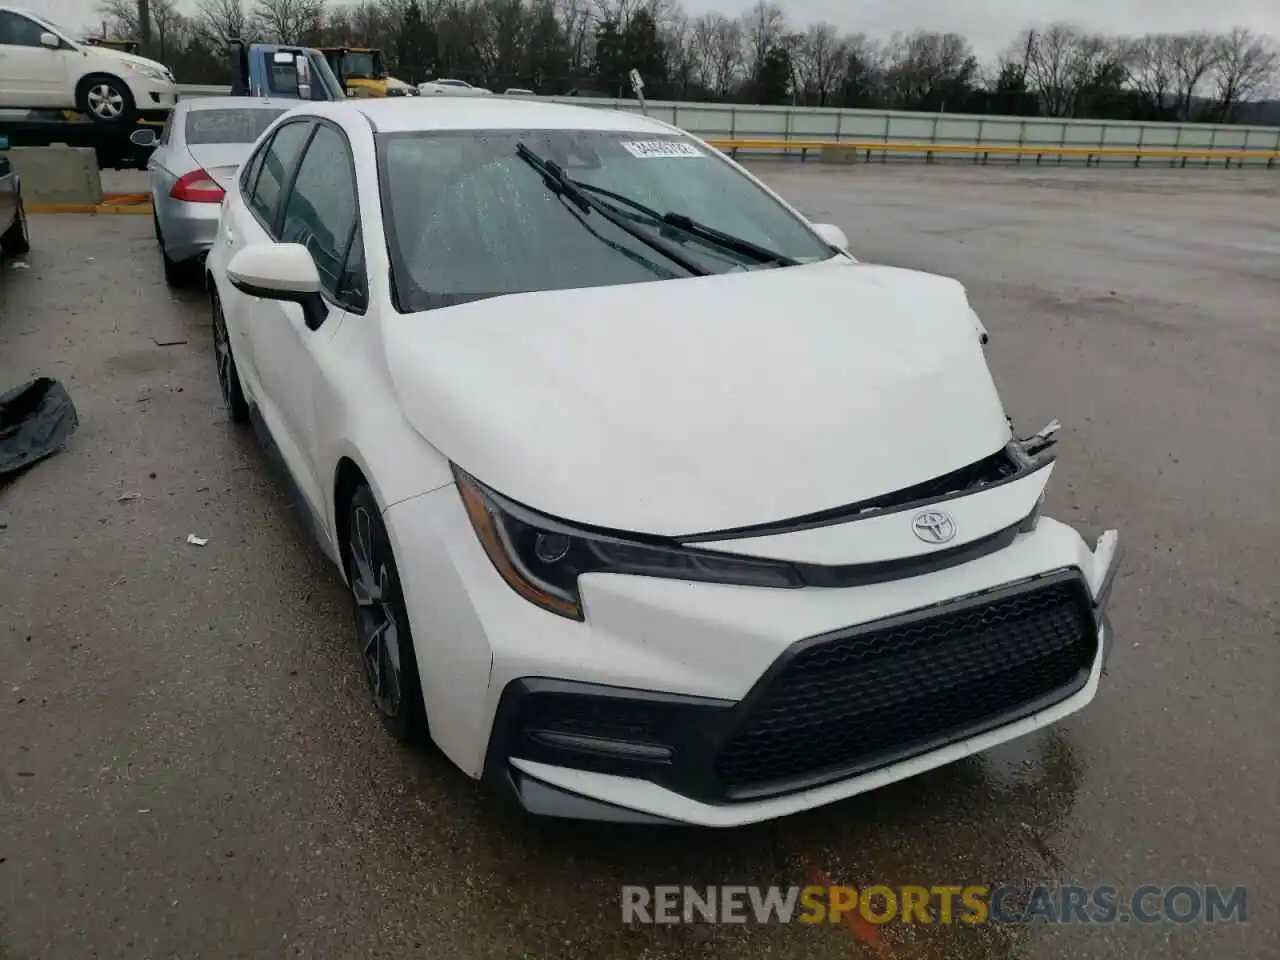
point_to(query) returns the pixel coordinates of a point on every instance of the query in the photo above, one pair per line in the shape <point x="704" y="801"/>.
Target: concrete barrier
<point x="57" y="174"/>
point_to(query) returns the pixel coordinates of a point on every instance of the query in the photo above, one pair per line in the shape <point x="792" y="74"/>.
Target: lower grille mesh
<point x="861" y="701"/>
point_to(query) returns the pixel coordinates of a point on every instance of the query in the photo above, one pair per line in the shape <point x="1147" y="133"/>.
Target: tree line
<point x="589" y="46"/>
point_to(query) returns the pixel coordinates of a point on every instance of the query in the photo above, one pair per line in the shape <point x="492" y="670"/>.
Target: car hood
<point x="132" y="58"/>
<point x="689" y="406"/>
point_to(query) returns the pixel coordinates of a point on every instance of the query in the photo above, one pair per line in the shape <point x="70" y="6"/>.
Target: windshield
<point x="467" y="218"/>
<point x="361" y="65"/>
<point x="238" y="125"/>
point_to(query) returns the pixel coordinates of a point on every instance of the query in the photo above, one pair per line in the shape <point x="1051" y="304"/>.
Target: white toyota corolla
<point x="655" y="504"/>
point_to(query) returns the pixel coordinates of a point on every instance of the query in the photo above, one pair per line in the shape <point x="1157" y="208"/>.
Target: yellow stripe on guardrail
<point x="998" y="149"/>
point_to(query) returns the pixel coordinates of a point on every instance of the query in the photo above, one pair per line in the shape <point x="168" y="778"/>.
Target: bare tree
<point x="505" y="35"/>
<point x="620" y="12"/>
<point x="289" y="21"/>
<point x="718" y="47"/>
<point x="1152" y="70"/>
<point x="221" y="20"/>
<point x="166" y="24"/>
<point x="1100" y="61"/>
<point x="1052" y="57"/>
<point x="819" y="61"/>
<point x="119" y="17"/>
<point x="677" y="40"/>
<point x="1245" y="65"/>
<point x="1193" y="56"/>
<point x="923" y="65"/>
<point x="369" y="24"/>
<point x="763" y="26"/>
<point x="577" y="19"/>
<point x="864" y="68"/>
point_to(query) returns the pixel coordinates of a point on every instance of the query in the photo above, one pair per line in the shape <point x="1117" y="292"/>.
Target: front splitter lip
<point x="564" y="792"/>
<point x="546" y="800"/>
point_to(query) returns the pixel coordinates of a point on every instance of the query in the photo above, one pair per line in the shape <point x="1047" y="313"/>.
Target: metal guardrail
<point x="904" y="134"/>
<point x="981" y="152"/>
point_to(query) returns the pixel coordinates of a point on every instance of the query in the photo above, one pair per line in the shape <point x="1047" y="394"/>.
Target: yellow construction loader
<point x="363" y="73"/>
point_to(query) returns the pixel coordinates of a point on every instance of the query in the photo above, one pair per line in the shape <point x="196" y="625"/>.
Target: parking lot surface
<point x="189" y="766"/>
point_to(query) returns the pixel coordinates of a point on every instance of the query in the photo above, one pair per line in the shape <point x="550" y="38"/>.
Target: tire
<point x="106" y="99"/>
<point x="382" y="622"/>
<point x="16" y="240"/>
<point x="233" y="399"/>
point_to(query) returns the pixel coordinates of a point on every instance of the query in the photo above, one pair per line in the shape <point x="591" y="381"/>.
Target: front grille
<point x="850" y="703"/>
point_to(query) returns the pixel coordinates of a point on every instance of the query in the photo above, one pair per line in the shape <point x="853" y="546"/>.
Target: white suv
<point x="41" y="66"/>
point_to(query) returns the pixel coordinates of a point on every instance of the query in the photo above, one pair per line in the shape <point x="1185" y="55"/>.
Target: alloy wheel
<point x="377" y="626"/>
<point x="105" y="101"/>
<point x="222" y="353"/>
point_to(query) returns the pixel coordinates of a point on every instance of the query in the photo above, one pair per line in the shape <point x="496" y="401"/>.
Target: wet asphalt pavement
<point x="189" y="766"/>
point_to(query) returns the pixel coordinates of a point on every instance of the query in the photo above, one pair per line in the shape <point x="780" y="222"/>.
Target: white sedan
<point x="447" y="87"/>
<point x="654" y="504"/>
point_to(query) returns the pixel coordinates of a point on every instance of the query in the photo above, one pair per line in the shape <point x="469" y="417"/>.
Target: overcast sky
<point x="989" y="24"/>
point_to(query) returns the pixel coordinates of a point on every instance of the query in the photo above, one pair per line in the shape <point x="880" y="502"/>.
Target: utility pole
<point x="1026" y="57"/>
<point x="144" y="26"/>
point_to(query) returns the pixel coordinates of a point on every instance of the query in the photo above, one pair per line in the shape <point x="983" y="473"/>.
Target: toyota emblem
<point x="933" y="526"/>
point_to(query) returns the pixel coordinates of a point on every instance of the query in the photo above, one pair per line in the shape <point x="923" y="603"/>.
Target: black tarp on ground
<point x="36" y="419"/>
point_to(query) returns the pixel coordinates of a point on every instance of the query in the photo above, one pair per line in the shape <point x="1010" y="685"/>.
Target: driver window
<point x="17" y="31"/>
<point x="322" y="215"/>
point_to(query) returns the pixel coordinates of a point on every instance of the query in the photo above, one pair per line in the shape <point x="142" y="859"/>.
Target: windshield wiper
<point x="561" y="184"/>
<point x="717" y="238"/>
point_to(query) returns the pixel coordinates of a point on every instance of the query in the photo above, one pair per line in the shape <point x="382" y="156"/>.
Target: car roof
<point x="405" y="114"/>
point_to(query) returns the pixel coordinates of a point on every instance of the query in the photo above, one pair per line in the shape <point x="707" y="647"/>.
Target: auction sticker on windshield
<point x="644" y="149"/>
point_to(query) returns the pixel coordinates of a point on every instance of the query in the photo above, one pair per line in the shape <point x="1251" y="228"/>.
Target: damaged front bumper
<point x="599" y="768"/>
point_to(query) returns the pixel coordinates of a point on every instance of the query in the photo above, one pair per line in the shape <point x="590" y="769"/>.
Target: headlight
<point x="541" y="558"/>
<point x="151" y="73"/>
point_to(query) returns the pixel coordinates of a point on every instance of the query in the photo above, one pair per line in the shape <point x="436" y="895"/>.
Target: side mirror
<point x="303" y="67"/>
<point x="832" y="234"/>
<point x="50" y="40"/>
<point x="280" y="271"/>
<point x="144" y="138"/>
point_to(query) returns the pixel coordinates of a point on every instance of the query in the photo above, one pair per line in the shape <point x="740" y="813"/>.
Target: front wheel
<point x="106" y="99"/>
<point x="16" y="240"/>
<point x="382" y="623"/>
